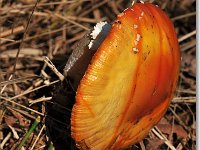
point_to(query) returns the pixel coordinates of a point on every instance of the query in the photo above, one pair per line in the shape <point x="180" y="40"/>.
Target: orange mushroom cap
<point x="130" y="81"/>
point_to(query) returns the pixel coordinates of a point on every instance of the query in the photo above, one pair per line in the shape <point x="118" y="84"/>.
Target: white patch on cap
<point x="135" y="26"/>
<point x="138" y="37"/>
<point x="133" y="2"/>
<point x="135" y="42"/>
<point x="142" y="14"/>
<point x="142" y="2"/>
<point x="126" y="9"/>
<point x="121" y="14"/>
<point x="97" y="29"/>
<point x="135" y="50"/>
<point x="90" y="44"/>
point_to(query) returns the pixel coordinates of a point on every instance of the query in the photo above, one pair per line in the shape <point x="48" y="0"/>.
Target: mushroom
<point x="129" y="82"/>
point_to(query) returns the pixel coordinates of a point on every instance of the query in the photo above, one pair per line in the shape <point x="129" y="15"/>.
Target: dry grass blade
<point x="12" y="31"/>
<point x="167" y="142"/>
<point x="5" y="39"/>
<point x="24" y="35"/>
<point x="18" y="80"/>
<point x="23" y="112"/>
<point x="5" y="140"/>
<point x="71" y="21"/>
<point x="53" y="68"/>
<point x="179" y="119"/>
<point x="29" y="91"/>
<point x="187" y="36"/>
<point x="94" y="7"/>
<point x="15" y="135"/>
<point x="40" y="5"/>
<point x="184" y="16"/>
<point x="9" y="100"/>
<point x="36" y="140"/>
<point x="189" y="100"/>
<point x="5" y="84"/>
<point x="27" y="135"/>
<point x="42" y="99"/>
<point x="35" y="37"/>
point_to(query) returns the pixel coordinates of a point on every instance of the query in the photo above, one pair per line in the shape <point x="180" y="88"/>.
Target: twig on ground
<point x="142" y="145"/>
<point x="181" y="39"/>
<point x="27" y="135"/>
<point x="41" y="99"/>
<point x="184" y="101"/>
<point x="11" y="31"/>
<point x="19" y="80"/>
<point x="53" y="68"/>
<point x="71" y="21"/>
<point x="22" y="112"/>
<point x="26" y="92"/>
<point x="9" y="100"/>
<point x="15" y="135"/>
<point x="179" y="119"/>
<point x="166" y="141"/>
<point x="5" y="39"/>
<point x="24" y="35"/>
<point x="6" y="84"/>
<point x="29" y="91"/>
<point x="5" y="140"/>
<point x="37" y="138"/>
<point x="184" y="16"/>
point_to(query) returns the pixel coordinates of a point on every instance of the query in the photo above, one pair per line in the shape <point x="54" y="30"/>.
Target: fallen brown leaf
<point x="154" y="144"/>
<point x="167" y="129"/>
<point x="10" y="120"/>
<point x="22" y="120"/>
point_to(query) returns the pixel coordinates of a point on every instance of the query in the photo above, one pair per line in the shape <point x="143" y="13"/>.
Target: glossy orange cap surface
<point x="130" y="82"/>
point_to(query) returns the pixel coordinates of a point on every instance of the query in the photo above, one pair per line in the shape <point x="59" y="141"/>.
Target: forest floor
<point x="31" y="31"/>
